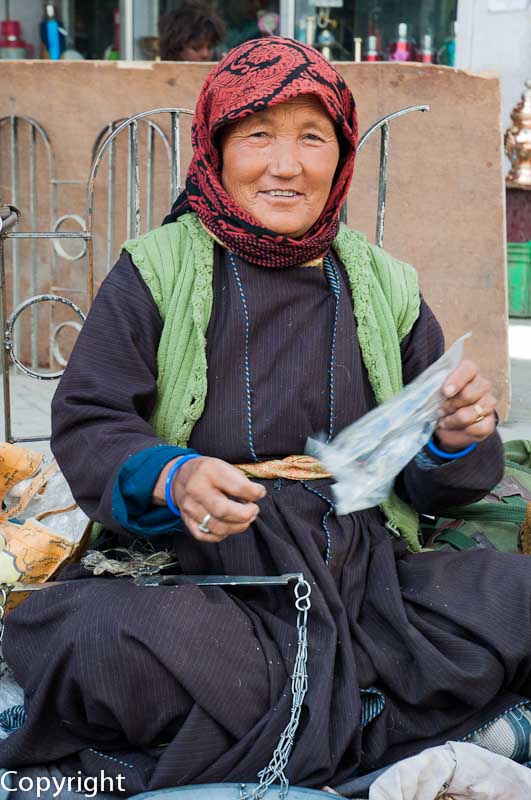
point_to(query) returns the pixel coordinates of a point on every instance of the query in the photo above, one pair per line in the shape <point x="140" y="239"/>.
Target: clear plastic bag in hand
<point x="366" y="457"/>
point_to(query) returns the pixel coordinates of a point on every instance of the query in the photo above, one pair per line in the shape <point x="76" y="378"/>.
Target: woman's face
<point x="278" y="164"/>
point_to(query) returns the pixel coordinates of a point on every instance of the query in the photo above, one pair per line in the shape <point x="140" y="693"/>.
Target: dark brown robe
<point x="192" y="685"/>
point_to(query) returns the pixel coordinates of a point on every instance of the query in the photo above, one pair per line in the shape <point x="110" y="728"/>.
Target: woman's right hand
<point x="206" y="485"/>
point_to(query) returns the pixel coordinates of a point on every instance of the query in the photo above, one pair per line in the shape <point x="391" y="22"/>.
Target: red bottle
<point x="11" y="43"/>
<point x="426" y="54"/>
<point x="372" y="53"/>
<point x="402" y="49"/>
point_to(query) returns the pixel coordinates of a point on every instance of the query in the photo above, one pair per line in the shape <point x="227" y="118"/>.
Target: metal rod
<point x="149" y="177"/>
<point x="50" y="235"/>
<point x="14" y="200"/>
<point x="383" y="125"/>
<point x="34" y="226"/>
<point x="175" y="160"/>
<point x="129" y="226"/>
<point x="90" y="280"/>
<point x="20" y="439"/>
<point x="216" y="580"/>
<point x="127" y="32"/>
<point x="54" y="254"/>
<point x="135" y="199"/>
<point x="110" y="208"/>
<point x="343" y="213"/>
<point x="388" y="118"/>
<point x="5" y="357"/>
<point x="171" y="580"/>
<point x="382" y="184"/>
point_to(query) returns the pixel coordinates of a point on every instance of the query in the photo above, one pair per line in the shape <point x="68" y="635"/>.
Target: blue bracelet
<point x="169" y="480"/>
<point x="450" y="456"/>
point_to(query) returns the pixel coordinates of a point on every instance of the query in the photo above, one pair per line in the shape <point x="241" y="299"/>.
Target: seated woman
<point x="248" y="322"/>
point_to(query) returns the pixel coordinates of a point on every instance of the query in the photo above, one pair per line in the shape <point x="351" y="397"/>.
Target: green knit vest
<point x="176" y="262"/>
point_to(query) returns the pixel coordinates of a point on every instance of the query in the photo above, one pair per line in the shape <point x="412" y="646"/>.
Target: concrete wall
<point x="445" y="209"/>
<point x="498" y="41"/>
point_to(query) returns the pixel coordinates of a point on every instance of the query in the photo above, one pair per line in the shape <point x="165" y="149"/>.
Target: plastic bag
<point x="41" y="525"/>
<point x="366" y="457"/>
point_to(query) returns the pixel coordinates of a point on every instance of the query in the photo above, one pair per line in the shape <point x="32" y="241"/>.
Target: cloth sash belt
<point x="294" y="468"/>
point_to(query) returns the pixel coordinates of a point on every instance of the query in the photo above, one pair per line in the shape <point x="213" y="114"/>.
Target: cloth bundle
<point x="41" y="526"/>
<point x="454" y="771"/>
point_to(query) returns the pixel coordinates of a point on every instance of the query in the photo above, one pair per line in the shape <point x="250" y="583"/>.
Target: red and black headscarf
<point x="256" y="75"/>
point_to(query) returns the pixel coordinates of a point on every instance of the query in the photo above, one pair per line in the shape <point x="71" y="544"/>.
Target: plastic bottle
<point x="402" y="49"/>
<point x="372" y="52"/>
<point x="52" y="33"/>
<point x="447" y="51"/>
<point x="426" y="54"/>
<point x="11" y="43"/>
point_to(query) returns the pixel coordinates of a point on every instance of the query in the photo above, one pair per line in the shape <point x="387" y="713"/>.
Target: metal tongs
<point x="170" y="580"/>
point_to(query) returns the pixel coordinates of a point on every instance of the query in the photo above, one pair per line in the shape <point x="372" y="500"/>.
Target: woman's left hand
<point x="468" y="415"/>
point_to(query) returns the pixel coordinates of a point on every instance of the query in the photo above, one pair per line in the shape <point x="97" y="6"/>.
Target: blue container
<point x="228" y="791"/>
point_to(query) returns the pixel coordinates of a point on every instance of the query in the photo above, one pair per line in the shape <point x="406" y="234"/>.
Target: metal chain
<point x="299" y="686"/>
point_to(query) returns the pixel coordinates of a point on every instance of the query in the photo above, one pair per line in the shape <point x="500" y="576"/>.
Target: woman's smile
<point x="287" y="193"/>
<point x="281" y="197"/>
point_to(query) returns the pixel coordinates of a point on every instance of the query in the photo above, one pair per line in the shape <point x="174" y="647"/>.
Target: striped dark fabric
<point x="182" y="685"/>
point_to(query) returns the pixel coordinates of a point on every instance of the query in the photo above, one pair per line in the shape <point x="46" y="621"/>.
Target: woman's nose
<point x="284" y="161"/>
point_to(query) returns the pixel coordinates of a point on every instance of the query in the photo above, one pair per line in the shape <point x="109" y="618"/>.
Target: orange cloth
<point x="16" y="464"/>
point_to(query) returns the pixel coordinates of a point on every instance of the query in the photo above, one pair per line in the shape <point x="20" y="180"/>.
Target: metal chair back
<point x="139" y="217"/>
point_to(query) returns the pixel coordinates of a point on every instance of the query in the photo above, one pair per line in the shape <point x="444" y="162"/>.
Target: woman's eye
<point x="314" y="137"/>
<point x="258" y="134"/>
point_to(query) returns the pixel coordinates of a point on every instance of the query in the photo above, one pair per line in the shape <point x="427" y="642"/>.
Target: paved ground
<point x="31" y="398"/>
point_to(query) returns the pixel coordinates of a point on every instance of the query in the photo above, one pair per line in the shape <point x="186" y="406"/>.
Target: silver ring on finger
<point x="203" y="526"/>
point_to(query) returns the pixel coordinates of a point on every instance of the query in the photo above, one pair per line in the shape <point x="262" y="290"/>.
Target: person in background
<point x="191" y="33"/>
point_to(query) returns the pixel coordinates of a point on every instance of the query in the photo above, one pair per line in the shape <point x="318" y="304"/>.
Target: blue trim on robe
<point x="132" y="507"/>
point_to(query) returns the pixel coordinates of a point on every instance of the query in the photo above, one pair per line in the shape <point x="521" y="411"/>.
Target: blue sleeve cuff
<point x="132" y="507"/>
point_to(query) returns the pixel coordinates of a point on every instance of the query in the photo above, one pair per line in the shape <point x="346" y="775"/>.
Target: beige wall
<point x="445" y="209"/>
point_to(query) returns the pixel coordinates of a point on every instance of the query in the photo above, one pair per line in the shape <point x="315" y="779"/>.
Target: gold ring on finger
<point x="479" y="412"/>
